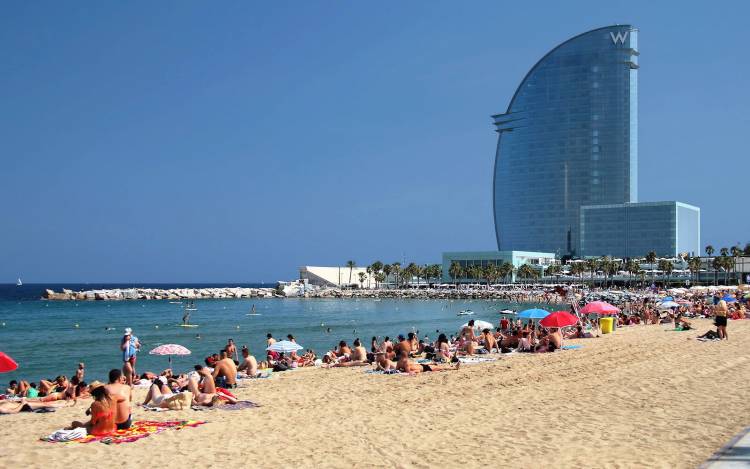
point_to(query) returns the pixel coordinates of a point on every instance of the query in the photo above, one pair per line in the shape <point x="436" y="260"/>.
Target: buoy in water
<point x="77" y="326"/>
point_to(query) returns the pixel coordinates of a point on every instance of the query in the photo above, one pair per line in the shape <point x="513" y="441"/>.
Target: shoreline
<point x="642" y="396"/>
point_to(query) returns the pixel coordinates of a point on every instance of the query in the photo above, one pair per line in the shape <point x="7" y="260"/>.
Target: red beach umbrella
<point x="599" y="307"/>
<point x="7" y="364"/>
<point x="559" y="319"/>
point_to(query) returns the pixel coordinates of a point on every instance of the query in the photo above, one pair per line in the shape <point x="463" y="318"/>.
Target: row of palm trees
<point x="380" y="272"/>
<point x="491" y="273"/>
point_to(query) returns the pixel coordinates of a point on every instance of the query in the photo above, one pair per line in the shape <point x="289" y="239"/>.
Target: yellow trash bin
<point x="605" y="324"/>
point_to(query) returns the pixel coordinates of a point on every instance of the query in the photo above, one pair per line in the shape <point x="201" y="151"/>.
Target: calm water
<point x="43" y="338"/>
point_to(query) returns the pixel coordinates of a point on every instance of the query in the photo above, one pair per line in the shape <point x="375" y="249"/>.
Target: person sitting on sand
<point x="117" y="387"/>
<point x="12" y="388"/>
<point x="343" y="351"/>
<point x="102" y="411"/>
<point x="249" y="364"/>
<point x="358" y="357"/>
<point x="80" y="372"/>
<point x="524" y="343"/>
<point x="442" y="349"/>
<point x="489" y="341"/>
<point x="225" y="372"/>
<point x="413" y="342"/>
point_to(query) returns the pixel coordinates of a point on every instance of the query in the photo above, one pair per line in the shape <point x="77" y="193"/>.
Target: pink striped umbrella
<point x="599" y="307"/>
<point x="170" y="349"/>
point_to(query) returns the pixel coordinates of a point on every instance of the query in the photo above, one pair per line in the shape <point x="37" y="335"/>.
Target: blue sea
<point x="48" y="338"/>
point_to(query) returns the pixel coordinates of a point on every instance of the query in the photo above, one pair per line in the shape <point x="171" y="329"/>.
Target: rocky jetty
<point x="175" y="294"/>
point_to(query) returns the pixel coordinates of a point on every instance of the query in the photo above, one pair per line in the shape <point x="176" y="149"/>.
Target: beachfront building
<point x="566" y="162"/>
<point x="337" y="276"/>
<point x="567" y="139"/>
<point x="538" y="260"/>
<point x="634" y="229"/>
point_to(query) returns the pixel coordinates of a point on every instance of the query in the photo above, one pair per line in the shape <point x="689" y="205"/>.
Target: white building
<point x="338" y="276"/>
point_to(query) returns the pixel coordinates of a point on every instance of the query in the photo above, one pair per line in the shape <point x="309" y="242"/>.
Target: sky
<point x="192" y="142"/>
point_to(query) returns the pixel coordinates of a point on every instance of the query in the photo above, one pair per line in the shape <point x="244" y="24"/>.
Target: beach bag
<point x="280" y="367"/>
<point x="180" y="401"/>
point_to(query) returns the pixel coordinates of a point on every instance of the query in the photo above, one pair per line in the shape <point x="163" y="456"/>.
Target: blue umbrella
<point x="534" y="313"/>
<point x="667" y="298"/>
<point x="729" y="299"/>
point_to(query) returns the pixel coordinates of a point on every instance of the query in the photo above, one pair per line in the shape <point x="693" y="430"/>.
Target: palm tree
<point x="724" y="251"/>
<point x="728" y="264"/>
<point x="578" y="268"/>
<point x="387" y="270"/>
<point x="396" y="270"/>
<point x="694" y="265"/>
<point x="369" y="274"/>
<point x="455" y="271"/>
<point x="592" y="265"/>
<point x="716" y="264"/>
<point x="632" y="267"/>
<point x="651" y="259"/>
<point x="736" y="253"/>
<point x="411" y="271"/>
<point x="666" y="266"/>
<point x="362" y="277"/>
<point x="351" y="265"/>
<point x="709" y="250"/>
<point x="526" y="272"/>
<point x="380" y="277"/>
<point x="491" y="272"/>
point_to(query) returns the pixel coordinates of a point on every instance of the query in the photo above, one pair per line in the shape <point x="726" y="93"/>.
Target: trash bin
<point x="605" y="324"/>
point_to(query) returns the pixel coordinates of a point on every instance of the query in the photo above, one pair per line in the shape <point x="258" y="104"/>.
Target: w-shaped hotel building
<point x="566" y="163"/>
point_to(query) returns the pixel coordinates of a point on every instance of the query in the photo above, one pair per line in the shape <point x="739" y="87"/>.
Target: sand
<point x="639" y="397"/>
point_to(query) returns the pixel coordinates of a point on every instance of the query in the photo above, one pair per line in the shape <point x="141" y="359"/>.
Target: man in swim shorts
<point x="117" y="387"/>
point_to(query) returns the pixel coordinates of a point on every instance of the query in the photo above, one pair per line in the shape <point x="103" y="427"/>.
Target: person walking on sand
<point x="130" y="345"/>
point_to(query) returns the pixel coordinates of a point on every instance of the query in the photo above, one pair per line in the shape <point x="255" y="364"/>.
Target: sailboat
<point x="19" y="282"/>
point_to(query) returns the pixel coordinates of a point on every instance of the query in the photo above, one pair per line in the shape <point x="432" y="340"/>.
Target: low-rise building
<point x="538" y="260"/>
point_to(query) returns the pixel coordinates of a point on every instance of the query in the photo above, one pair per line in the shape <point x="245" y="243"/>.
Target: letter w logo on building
<point x="620" y="37"/>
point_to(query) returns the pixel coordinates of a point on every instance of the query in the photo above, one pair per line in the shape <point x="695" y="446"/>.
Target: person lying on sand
<point x="405" y="365"/>
<point x="383" y="363"/>
<point x="157" y="394"/>
<point x="578" y="333"/>
<point x="25" y="405"/>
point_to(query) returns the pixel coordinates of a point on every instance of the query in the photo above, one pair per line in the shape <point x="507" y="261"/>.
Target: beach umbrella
<point x="559" y="319"/>
<point x="7" y="364"/>
<point x="284" y="346"/>
<point x="729" y="299"/>
<point x="534" y="313"/>
<point x="480" y="325"/>
<point x="599" y="307"/>
<point x="667" y="298"/>
<point x="170" y="349"/>
<point x="669" y="304"/>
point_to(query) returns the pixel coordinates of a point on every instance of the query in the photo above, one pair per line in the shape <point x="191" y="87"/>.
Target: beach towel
<point x="139" y="429"/>
<point x="475" y="360"/>
<point x="239" y="405"/>
<point x="382" y="372"/>
<point x="66" y="435"/>
<point x="572" y="347"/>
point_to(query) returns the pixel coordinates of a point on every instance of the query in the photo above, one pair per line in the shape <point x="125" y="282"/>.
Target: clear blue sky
<point x="188" y="141"/>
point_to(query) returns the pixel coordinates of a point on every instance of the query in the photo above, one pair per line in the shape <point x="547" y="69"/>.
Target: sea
<point x="49" y="338"/>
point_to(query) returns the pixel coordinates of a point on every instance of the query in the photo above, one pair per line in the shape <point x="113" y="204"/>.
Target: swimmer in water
<point x="197" y="337"/>
<point x="328" y="330"/>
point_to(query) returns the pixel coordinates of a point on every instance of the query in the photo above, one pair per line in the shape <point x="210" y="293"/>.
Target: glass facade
<point x="568" y="139"/>
<point x="633" y="230"/>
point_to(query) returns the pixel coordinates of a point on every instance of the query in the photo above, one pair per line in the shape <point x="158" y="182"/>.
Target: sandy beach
<point x="642" y="396"/>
